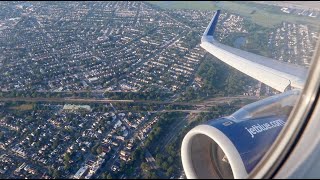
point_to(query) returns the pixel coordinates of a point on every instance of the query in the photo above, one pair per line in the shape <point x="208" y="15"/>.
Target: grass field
<point x="263" y="16"/>
<point x="196" y="5"/>
<point x="23" y="107"/>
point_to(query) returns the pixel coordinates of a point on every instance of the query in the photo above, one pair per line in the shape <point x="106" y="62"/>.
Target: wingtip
<point x="213" y="23"/>
<point x="211" y="27"/>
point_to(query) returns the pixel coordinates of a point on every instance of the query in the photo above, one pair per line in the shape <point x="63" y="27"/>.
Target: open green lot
<point x="265" y="15"/>
<point x="23" y="107"/>
<point x="196" y="5"/>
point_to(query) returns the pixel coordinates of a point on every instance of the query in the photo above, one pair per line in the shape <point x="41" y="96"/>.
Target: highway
<point x="172" y="133"/>
<point x="206" y="103"/>
<point x="179" y="125"/>
<point x="181" y="110"/>
<point x="150" y="159"/>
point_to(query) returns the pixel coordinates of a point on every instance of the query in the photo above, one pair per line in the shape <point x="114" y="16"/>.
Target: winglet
<point x="212" y="26"/>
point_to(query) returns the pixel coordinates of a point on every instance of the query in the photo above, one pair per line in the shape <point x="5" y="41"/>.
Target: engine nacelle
<point x="230" y="147"/>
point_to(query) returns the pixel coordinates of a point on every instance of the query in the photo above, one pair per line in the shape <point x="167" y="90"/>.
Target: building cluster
<point x="230" y="24"/>
<point x="113" y="46"/>
<point x="76" y="143"/>
<point x="143" y="133"/>
<point x="91" y="167"/>
<point x="293" y="43"/>
<point x="314" y="13"/>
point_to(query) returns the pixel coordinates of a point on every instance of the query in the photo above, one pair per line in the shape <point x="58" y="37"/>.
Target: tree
<point x="99" y="150"/>
<point x="144" y="166"/>
<point x="170" y="171"/>
<point x="94" y="148"/>
<point x="1" y="136"/>
<point x="66" y="165"/>
<point x="137" y="153"/>
<point x="165" y="165"/>
<point x="66" y="157"/>
<point x="153" y="175"/>
<point x="122" y="164"/>
<point x="109" y="176"/>
<point x="170" y="149"/>
<point x="56" y="174"/>
<point x="55" y="144"/>
<point x="159" y="157"/>
<point x="37" y="144"/>
<point x="170" y="160"/>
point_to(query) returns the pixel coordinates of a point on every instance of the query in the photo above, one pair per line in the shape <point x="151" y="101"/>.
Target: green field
<point x="197" y="5"/>
<point x="264" y="15"/>
<point x="23" y="107"/>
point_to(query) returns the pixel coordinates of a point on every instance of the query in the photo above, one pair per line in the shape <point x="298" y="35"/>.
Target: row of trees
<point x="151" y="94"/>
<point x="35" y="94"/>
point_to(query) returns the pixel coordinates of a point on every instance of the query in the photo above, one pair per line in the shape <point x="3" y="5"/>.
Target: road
<point x="179" y="125"/>
<point x="181" y="110"/>
<point x="192" y="111"/>
<point x="173" y="132"/>
<point x="149" y="158"/>
<point x="206" y="103"/>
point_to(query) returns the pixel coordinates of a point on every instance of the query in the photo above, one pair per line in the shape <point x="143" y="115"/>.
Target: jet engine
<point x="230" y="147"/>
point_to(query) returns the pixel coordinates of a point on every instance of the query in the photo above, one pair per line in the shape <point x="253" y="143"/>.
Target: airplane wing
<point x="274" y="73"/>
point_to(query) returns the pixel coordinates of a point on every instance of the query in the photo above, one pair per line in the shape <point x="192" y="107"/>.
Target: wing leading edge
<point x="276" y="74"/>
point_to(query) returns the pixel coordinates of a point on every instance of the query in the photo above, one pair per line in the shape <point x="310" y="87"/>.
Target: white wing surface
<point x="276" y="74"/>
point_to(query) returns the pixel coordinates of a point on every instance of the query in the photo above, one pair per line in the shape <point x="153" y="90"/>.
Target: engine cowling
<point x="230" y="147"/>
